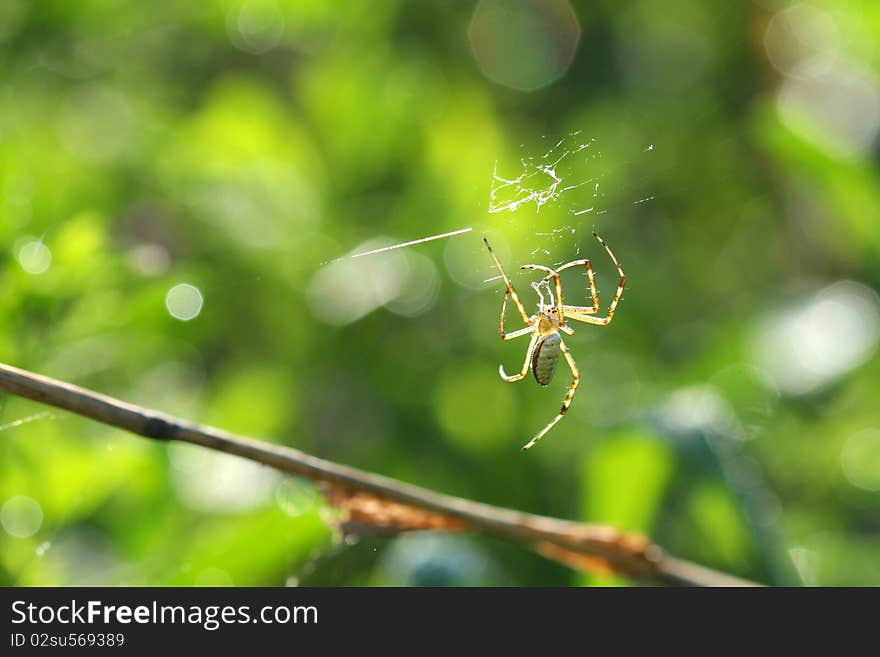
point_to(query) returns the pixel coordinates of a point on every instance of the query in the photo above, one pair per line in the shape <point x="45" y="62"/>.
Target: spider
<point x="544" y="327"/>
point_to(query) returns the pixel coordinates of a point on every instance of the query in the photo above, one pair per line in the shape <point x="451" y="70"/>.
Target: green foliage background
<point x="241" y="145"/>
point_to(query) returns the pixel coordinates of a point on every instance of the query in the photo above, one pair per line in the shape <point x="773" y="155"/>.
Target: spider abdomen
<point x="545" y="358"/>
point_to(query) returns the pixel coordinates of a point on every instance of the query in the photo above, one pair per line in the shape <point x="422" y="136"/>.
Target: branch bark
<point x="573" y="543"/>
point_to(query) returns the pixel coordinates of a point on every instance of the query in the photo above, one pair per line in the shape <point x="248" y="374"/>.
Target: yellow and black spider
<point x="544" y="327"/>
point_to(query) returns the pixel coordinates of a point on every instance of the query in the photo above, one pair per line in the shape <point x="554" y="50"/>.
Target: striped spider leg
<point x="545" y="345"/>
<point x="582" y="313"/>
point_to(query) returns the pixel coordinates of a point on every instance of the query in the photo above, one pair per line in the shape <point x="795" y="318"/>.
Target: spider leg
<point x="580" y="315"/>
<point x="514" y="334"/>
<point x="528" y="361"/>
<point x="594" y="294"/>
<point x="576" y="378"/>
<point x="510" y="290"/>
<point x="552" y="273"/>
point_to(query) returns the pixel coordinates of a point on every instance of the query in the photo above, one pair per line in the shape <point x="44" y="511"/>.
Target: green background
<point x="729" y="153"/>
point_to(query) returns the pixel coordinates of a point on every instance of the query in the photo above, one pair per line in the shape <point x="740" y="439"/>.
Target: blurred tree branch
<point x="376" y="503"/>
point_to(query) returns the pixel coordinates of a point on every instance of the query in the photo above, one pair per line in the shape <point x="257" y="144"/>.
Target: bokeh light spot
<point x="256" y="26"/>
<point x="219" y="483"/>
<point x="184" y="302"/>
<point x="819" y="340"/>
<point x="149" y="259"/>
<point x="524" y="45"/>
<point x="697" y="409"/>
<point x="21" y="516"/>
<point x="426" y="559"/>
<point x="828" y="98"/>
<point x="800" y="39"/>
<point x="837" y="109"/>
<point x="349" y="288"/>
<point x="860" y="459"/>
<point x="469" y="265"/>
<point x="419" y="289"/>
<point x="35" y="257"/>
<point x="296" y="497"/>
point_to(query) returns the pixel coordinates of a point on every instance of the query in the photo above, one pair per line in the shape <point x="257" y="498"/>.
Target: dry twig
<point x="382" y="502"/>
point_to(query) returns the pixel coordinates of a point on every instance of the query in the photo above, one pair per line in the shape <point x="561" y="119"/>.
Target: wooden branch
<point x="376" y="496"/>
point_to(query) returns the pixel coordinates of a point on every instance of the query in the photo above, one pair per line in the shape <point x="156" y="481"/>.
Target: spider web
<point x="563" y="179"/>
<point x="566" y="185"/>
<point x="567" y="180"/>
<point x="540" y="180"/>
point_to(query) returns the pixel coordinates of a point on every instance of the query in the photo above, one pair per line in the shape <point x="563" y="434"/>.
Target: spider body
<point x="545" y="358"/>
<point x="544" y="327"/>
